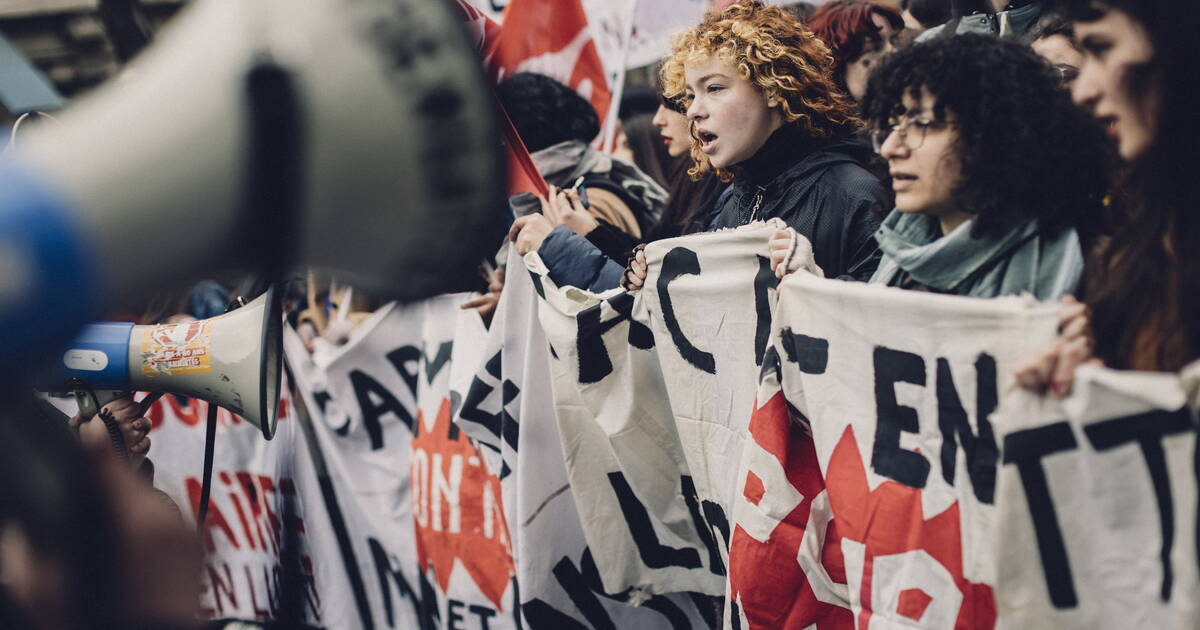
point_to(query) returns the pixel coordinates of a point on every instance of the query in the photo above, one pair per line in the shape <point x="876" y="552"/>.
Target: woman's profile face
<point x="858" y="70"/>
<point x="1114" y="47"/>
<point x="673" y="127"/>
<point x="923" y="159"/>
<point x="731" y="118"/>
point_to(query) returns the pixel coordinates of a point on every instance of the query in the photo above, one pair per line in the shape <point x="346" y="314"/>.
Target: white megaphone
<point x="356" y="136"/>
<point x="232" y="360"/>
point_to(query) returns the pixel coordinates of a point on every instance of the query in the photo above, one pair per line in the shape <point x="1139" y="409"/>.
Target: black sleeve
<point x="612" y="242"/>
<point x="860" y="249"/>
<point x="850" y="206"/>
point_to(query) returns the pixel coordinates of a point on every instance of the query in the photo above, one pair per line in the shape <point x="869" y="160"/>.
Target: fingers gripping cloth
<point x="799" y="254"/>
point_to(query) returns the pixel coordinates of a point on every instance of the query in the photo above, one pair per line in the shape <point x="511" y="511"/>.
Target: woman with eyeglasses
<point x="999" y="178"/>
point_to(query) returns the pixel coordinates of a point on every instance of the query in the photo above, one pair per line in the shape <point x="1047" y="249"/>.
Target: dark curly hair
<point x="546" y="112"/>
<point x="1026" y="150"/>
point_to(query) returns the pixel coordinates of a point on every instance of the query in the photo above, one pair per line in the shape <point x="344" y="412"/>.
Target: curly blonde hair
<point x="773" y="50"/>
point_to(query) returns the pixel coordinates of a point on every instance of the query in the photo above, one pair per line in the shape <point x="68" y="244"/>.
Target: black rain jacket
<point x="822" y="189"/>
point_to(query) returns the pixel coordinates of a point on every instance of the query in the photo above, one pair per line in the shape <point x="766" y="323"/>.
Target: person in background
<point x="859" y="34"/>
<point x="1005" y="18"/>
<point x="637" y="100"/>
<point x="644" y="148"/>
<point x="557" y="125"/>
<point x="802" y="10"/>
<point x="1054" y="39"/>
<point x="922" y="15"/>
<point x="691" y="202"/>
<point x="999" y="178"/>
<point x="594" y="257"/>
<point x="1142" y="300"/>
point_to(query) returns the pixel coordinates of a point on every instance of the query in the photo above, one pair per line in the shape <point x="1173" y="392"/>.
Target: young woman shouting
<point x="767" y="116"/>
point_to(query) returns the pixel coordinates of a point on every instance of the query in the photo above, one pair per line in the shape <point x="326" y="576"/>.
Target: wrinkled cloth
<point x="1021" y="260"/>
<point x="823" y="190"/>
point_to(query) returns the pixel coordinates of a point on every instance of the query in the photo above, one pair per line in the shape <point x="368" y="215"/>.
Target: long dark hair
<point x="1145" y="286"/>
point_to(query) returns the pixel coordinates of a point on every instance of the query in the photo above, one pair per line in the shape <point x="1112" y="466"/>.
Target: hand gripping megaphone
<point x="356" y="136"/>
<point x="232" y="360"/>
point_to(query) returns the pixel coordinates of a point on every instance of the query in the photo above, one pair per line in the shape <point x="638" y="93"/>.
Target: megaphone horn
<point x="232" y="360"/>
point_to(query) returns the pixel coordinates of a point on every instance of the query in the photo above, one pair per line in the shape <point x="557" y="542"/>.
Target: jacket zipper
<point x="758" y="199"/>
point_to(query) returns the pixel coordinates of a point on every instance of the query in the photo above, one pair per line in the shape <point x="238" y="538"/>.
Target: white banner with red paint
<point x="897" y="388"/>
<point x="1096" y="496"/>
<point x="421" y="507"/>
<point x="654" y="394"/>
<point x="257" y="491"/>
<point x="509" y="409"/>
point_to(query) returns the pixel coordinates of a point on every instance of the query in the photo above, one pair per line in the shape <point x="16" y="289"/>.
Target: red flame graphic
<point x="765" y="578"/>
<point x="464" y="523"/>
<point x="888" y="520"/>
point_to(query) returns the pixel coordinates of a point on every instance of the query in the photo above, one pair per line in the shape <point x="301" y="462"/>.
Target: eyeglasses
<point x="911" y="131"/>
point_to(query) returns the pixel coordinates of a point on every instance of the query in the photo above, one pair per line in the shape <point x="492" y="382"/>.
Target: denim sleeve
<point x="573" y="261"/>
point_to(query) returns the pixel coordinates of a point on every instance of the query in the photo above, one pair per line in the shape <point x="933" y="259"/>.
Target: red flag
<point x="523" y="175"/>
<point x="552" y="37"/>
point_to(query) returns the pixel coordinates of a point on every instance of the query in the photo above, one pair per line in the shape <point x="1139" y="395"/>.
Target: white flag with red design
<point x="554" y="38"/>
<point x="421" y="508"/>
<point x="897" y="388"/>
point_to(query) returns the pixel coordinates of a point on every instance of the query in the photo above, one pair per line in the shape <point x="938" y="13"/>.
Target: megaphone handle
<point x="210" y="438"/>
<point x="91" y="403"/>
<point x="92" y="400"/>
<point x="145" y="403"/>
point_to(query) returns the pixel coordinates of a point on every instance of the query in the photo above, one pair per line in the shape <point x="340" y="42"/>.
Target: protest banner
<point x="785" y="566"/>
<point x="897" y="388"/>
<point x="418" y="500"/>
<point x="663" y="386"/>
<point x="257" y="491"/>
<point x="1096" y="504"/>
<point x="509" y="409"/>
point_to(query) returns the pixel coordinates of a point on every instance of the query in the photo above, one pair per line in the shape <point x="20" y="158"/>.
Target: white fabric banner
<point x="897" y="388"/>
<point x="656" y="23"/>
<point x="509" y="410"/>
<point x="421" y="506"/>
<point x="1097" y="504"/>
<point x="653" y="398"/>
<point x="256" y="486"/>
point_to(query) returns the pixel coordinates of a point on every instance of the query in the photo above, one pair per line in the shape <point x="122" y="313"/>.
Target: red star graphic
<point x="473" y="532"/>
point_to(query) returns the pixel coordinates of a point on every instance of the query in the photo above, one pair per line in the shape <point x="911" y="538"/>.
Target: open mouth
<point x="1110" y="126"/>
<point x="706" y="140"/>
